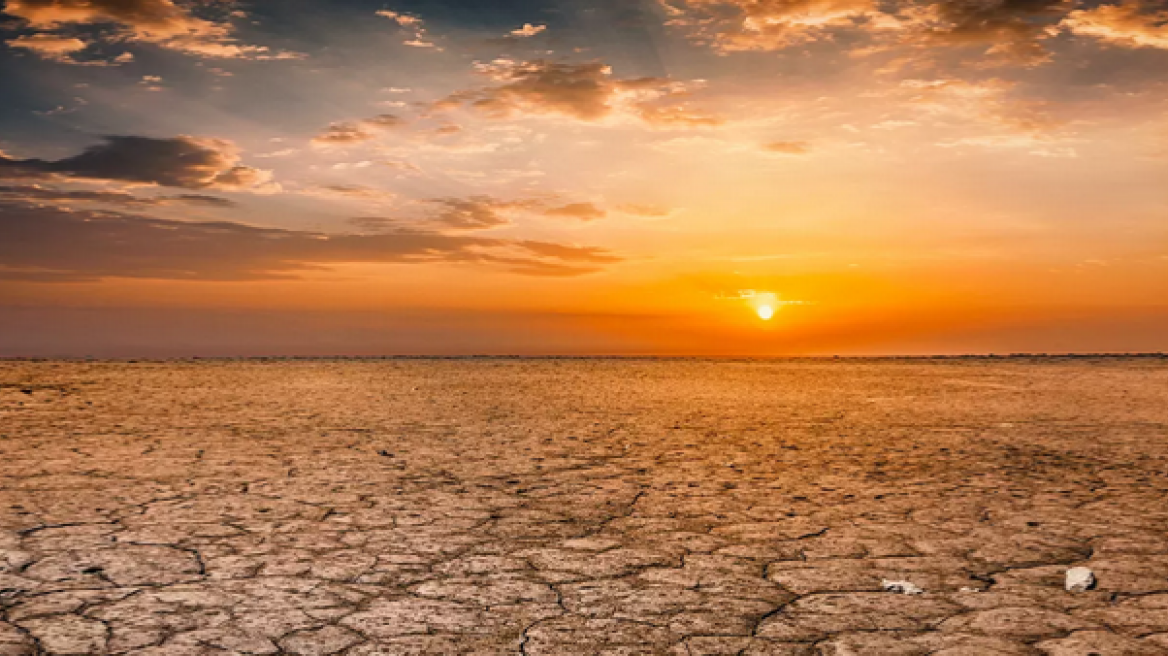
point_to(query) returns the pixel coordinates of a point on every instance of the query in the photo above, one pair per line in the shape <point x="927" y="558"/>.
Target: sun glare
<point x="765" y="312"/>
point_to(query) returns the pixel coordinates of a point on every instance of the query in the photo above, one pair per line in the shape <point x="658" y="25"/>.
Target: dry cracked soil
<point x="583" y="506"/>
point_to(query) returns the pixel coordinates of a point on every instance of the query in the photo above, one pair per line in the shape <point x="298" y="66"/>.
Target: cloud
<point x="39" y="194"/>
<point x="226" y="50"/>
<point x="676" y="117"/>
<point x="990" y="101"/>
<point x="49" y="46"/>
<point x="1035" y="145"/>
<point x="187" y="162"/>
<point x="587" y="92"/>
<point x="474" y="213"/>
<point x="1129" y="24"/>
<point x="405" y="167"/>
<point x="77" y="103"/>
<point x="485" y="212"/>
<point x="196" y="199"/>
<point x="585" y="254"/>
<point x="763" y="25"/>
<point x="160" y="22"/>
<point x="581" y="211"/>
<point x="353" y="192"/>
<point x="528" y="30"/>
<point x="458" y="214"/>
<point x="1013" y="29"/>
<point x="413" y="23"/>
<point x="54" y="244"/>
<point x="645" y="210"/>
<point x="342" y="133"/>
<point x="356" y="131"/>
<point x="787" y="147"/>
<point x="758" y="300"/>
<point x="383" y="121"/>
<point x="149" y="18"/>
<point x="1010" y="31"/>
<point x="582" y="91"/>
<point x="405" y="20"/>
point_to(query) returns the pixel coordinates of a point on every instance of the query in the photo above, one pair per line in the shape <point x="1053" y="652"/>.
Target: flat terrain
<point x="583" y="507"/>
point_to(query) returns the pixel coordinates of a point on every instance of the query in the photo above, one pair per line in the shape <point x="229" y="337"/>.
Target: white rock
<point x="901" y="587"/>
<point x="1080" y="579"/>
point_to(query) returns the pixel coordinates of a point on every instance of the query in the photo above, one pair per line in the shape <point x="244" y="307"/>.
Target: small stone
<point x="1080" y="579"/>
<point x="901" y="587"/>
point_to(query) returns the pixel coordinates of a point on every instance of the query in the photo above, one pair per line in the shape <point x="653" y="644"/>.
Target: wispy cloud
<point x="55" y="244"/>
<point x="350" y="132"/>
<point x="587" y="92"/>
<point x="787" y="147"/>
<point x="413" y="24"/>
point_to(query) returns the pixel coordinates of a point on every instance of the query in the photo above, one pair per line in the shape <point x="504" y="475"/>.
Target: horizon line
<point x="483" y="356"/>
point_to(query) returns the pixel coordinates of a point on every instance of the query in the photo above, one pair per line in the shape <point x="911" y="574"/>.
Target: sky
<point x="286" y="177"/>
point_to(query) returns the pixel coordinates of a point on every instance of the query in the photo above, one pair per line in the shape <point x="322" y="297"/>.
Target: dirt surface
<point x="583" y="507"/>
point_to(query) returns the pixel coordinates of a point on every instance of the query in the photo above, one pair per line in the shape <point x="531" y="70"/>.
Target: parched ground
<point x="583" y="507"/>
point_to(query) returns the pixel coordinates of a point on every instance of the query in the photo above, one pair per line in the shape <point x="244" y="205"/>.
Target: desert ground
<point x="583" y="506"/>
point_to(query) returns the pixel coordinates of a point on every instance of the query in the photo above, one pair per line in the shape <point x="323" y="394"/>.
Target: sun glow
<point x="765" y="312"/>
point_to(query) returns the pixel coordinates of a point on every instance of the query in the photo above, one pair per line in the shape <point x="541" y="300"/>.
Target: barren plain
<point x="547" y="507"/>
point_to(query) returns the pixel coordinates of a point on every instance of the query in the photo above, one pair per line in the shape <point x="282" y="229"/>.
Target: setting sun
<point x="765" y="312"/>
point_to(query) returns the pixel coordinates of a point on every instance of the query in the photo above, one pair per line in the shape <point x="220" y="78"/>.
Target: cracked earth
<point x="583" y="507"/>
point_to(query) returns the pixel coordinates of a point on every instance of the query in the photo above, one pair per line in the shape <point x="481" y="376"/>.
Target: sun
<point x="765" y="312"/>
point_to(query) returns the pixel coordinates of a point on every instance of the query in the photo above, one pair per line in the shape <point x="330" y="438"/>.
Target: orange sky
<point x="583" y="178"/>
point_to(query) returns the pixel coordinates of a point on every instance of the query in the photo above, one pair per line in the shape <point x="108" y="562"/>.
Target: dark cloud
<point x="587" y="92"/>
<point x="186" y="162"/>
<point x="51" y="243"/>
<point x="1012" y="29"/>
<point x="37" y="193"/>
<point x="197" y="199"/>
